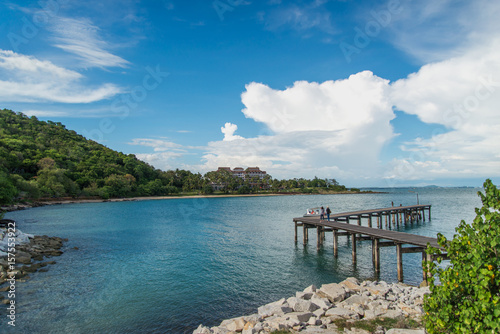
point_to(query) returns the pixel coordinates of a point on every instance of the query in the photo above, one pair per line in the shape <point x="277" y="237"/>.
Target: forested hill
<point x="44" y="159"/>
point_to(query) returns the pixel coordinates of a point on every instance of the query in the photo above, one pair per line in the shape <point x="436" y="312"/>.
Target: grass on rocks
<point x="373" y="324"/>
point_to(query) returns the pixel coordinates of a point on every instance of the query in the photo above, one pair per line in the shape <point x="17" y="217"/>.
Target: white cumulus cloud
<point x="463" y="94"/>
<point x="228" y="130"/>
<point x="327" y="129"/>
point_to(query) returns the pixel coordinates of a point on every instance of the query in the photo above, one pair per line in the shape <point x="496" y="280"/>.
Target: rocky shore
<point x="22" y="254"/>
<point x="334" y="308"/>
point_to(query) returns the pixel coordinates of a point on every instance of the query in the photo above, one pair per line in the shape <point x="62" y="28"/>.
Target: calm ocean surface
<point x="165" y="266"/>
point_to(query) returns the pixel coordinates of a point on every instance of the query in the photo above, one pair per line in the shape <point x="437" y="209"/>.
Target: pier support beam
<point x="376" y="254"/>
<point x="354" y="248"/>
<point x="319" y="235"/>
<point x="399" y="255"/>
<point x="335" y="244"/>
<point x="425" y="273"/>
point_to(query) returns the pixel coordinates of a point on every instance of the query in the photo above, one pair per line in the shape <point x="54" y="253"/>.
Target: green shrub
<point x="7" y="189"/>
<point x="244" y="190"/>
<point x="468" y="298"/>
<point x="208" y="190"/>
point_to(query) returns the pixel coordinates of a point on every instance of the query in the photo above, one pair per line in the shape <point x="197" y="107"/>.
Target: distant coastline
<point x="60" y="201"/>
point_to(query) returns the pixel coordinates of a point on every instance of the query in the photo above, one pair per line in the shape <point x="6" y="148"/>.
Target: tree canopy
<point x="41" y="159"/>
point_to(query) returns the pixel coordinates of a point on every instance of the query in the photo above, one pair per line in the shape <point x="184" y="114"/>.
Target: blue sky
<point x="372" y="93"/>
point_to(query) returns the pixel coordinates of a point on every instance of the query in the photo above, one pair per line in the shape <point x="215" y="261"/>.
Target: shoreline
<point x="19" y="206"/>
<point x="346" y="307"/>
<point x="22" y="254"/>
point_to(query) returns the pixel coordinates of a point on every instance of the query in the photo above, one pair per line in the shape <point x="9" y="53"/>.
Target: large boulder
<point x="333" y="292"/>
<point x="352" y="284"/>
<point x="305" y="306"/>
<point x="202" y="330"/>
<point x="323" y="303"/>
<point x="341" y="313"/>
<point x="279" y="307"/>
<point x="234" y="325"/>
<point x="304" y="295"/>
<point x="310" y="288"/>
<point x="299" y="317"/>
<point x="355" y="300"/>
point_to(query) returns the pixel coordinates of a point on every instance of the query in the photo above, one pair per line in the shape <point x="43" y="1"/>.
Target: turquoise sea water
<point x="165" y="266"/>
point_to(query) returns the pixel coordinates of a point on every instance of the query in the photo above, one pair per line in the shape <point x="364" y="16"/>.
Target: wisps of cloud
<point x="159" y="145"/>
<point x="432" y="31"/>
<point x="83" y="39"/>
<point x="165" y="154"/>
<point x="303" y="18"/>
<point x="28" y="79"/>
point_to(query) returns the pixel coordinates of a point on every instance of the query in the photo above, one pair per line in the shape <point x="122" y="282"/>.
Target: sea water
<point x="165" y="266"/>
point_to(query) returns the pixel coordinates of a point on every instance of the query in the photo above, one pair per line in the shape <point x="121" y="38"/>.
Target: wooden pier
<point x="340" y="225"/>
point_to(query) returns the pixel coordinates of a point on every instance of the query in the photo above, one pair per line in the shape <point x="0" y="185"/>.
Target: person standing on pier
<point x="328" y="211"/>
<point x="322" y="214"/>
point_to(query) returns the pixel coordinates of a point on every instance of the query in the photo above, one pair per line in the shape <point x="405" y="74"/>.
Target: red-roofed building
<point x="245" y="174"/>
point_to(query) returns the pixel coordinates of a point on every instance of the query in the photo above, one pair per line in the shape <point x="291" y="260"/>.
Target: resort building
<point x="245" y="174"/>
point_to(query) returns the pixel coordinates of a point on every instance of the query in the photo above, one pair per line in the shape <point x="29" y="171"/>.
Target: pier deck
<point x="394" y="215"/>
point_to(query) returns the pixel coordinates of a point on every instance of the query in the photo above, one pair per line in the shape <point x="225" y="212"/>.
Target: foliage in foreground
<point x="468" y="298"/>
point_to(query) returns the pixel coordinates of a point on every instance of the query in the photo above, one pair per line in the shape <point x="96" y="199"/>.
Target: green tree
<point x="468" y="298"/>
<point x="244" y="190"/>
<point x="54" y="182"/>
<point x="208" y="190"/>
<point x="27" y="189"/>
<point x="7" y="189"/>
<point x="119" y="185"/>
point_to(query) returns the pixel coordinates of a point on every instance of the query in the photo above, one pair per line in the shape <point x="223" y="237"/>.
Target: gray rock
<point x="405" y="331"/>
<point x="23" y="259"/>
<point x="279" y="307"/>
<point x="356" y="300"/>
<point x="356" y="331"/>
<point x="319" y="313"/>
<point x="304" y="295"/>
<point x="317" y="330"/>
<point x="352" y="284"/>
<point x="310" y="288"/>
<point x="250" y="331"/>
<point x="359" y="310"/>
<point x="334" y="292"/>
<point x="378" y="290"/>
<point x="299" y="317"/>
<point x="234" y="325"/>
<point x="305" y="306"/>
<point x="341" y="313"/>
<point x="369" y="314"/>
<point x="292" y="301"/>
<point x="202" y="330"/>
<point x="392" y="314"/>
<point x="323" y="303"/>
<point x="312" y="321"/>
